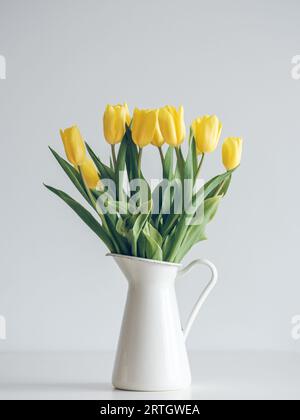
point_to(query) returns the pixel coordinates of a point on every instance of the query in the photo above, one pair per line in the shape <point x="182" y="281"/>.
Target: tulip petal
<point x="167" y="126"/>
<point x="74" y="145"/>
<point x="232" y="152"/>
<point x="143" y="126"/>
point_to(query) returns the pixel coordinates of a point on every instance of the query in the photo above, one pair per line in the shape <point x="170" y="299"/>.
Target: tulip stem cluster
<point x="161" y="222"/>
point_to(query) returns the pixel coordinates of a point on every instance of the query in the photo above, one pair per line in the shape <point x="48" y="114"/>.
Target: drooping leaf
<point x="222" y="187"/>
<point x="85" y="216"/>
<point x="196" y="233"/>
<point x="211" y="187"/>
<point x="72" y="173"/>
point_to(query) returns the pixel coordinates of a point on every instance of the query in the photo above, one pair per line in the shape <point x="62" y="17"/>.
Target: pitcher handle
<point x="211" y="284"/>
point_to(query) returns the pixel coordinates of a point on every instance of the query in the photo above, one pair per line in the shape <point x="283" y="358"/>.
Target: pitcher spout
<point x="141" y="270"/>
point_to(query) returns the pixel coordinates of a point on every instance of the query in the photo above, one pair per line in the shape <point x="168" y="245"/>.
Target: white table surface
<point x="86" y="375"/>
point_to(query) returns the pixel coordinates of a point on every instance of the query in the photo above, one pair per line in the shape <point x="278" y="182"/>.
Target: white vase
<point x="151" y="353"/>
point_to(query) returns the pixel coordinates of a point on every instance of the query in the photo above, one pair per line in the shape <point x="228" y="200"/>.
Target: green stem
<point x="181" y="154"/>
<point x="161" y="155"/>
<point x="191" y="134"/>
<point x="200" y="165"/>
<point x="180" y="162"/>
<point x="140" y="160"/>
<point x="114" y="157"/>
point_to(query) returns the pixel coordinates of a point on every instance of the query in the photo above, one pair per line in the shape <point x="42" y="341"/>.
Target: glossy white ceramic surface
<point x="151" y="353"/>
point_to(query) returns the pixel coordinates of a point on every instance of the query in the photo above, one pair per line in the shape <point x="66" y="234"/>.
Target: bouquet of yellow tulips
<point x="160" y="222"/>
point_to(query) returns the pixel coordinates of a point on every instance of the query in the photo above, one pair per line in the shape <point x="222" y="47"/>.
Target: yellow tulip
<point x="89" y="173"/>
<point x="172" y="126"/>
<point x="114" y="119"/>
<point x="128" y="117"/>
<point x="232" y="152"/>
<point x="74" y="145"/>
<point x="207" y="131"/>
<point x="143" y="126"/>
<point x="158" y="139"/>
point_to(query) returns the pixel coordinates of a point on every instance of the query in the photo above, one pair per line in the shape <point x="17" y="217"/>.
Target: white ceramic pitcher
<point x="151" y="353"/>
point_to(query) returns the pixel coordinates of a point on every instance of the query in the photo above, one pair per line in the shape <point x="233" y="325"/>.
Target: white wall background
<point x="65" y="60"/>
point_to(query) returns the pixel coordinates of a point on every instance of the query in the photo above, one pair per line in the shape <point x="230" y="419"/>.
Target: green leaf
<point x="104" y="170"/>
<point x="168" y="164"/>
<point x="72" y="173"/>
<point x="222" y="187"/>
<point x="139" y="224"/>
<point x="141" y="246"/>
<point x="195" y="236"/>
<point x="154" y="233"/>
<point x="195" y="159"/>
<point x="189" y="173"/>
<point x="177" y="237"/>
<point x="119" y="170"/>
<point x="152" y="250"/>
<point x="112" y="206"/>
<point x="131" y="227"/>
<point x="169" y="224"/>
<point x="179" y="233"/>
<point x="131" y="157"/>
<point x="225" y="186"/>
<point x="111" y="165"/>
<point x="188" y="165"/>
<point x="211" y="187"/>
<point x="119" y="241"/>
<point x="136" y="230"/>
<point x="85" y="216"/>
<point x="196" y="233"/>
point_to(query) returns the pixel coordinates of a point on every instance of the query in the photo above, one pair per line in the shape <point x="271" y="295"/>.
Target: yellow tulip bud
<point x="207" y="131"/>
<point x="128" y="117"/>
<point x="232" y="152"/>
<point x="89" y="173"/>
<point x="143" y="126"/>
<point x="158" y="139"/>
<point x="114" y="120"/>
<point x="172" y="126"/>
<point x="74" y="145"/>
